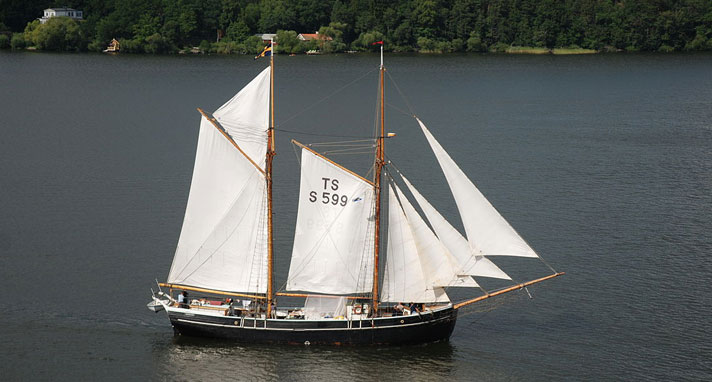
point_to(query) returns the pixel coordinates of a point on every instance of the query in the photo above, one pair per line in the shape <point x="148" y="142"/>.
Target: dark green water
<point x="603" y="163"/>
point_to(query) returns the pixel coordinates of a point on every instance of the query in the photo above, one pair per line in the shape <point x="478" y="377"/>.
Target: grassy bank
<point x="527" y="50"/>
<point x="535" y="50"/>
<point x="572" y="51"/>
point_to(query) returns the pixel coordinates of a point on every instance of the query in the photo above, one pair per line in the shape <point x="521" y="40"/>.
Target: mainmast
<point x="380" y="162"/>
<point x="270" y="155"/>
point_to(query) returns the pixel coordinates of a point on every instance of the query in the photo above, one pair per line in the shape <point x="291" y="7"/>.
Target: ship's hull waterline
<point x="431" y="326"/>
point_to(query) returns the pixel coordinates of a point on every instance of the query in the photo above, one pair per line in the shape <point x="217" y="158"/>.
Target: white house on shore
<point x="266" y="37"/>
<point x="58" y="12"/>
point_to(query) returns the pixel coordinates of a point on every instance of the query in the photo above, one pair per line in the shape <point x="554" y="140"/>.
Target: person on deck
<point x="183" y="300"/>
<point x="414" y="308"/>
<point x="398" y="309"/>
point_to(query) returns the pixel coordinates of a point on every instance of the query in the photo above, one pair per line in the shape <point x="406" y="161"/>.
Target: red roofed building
<point x="313" y="36"/>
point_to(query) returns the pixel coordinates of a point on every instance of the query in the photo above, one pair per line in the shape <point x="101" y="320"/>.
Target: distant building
<point x="59" y="12"/>
<point x="313" y="36"/>
<point x="266" y="37"/>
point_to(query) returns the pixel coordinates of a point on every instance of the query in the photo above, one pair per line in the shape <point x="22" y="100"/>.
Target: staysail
<point x="404" y="279"/>
<point x="441" y="269"/>
<point x="486" y="229"/>
<point x="223" y="241"/>
<point x="470" y="259"/>
<point x="333" y="239"/>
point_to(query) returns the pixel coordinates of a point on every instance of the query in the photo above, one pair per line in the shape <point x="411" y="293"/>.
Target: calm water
<point x="603" y="163"/>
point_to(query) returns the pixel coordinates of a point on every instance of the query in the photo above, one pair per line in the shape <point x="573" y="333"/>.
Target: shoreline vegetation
<point x="423" y="26"/>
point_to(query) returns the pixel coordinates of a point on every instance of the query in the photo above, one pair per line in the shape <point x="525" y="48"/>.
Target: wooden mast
<point x="270" y="156"/>
<point x="380" y="161"/>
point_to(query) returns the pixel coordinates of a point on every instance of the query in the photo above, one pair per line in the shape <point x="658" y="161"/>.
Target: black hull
<point x="403" y="330"/>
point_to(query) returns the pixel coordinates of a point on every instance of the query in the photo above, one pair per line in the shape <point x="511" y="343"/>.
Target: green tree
<point x="58" y="33"/>
<point x="289" y="42"/>
<point x="253" y="45"/>
<point x="4" y="41"/>
<point x="425" y="16"/>
<point x="237" y="31"/>
<point x="17" y="41"/>
<point x="475" y="44"/>
<point x="335" y="30"/>
<point x="276" y="14"/>
<point x="311" y="14"/>
<point x="366" y="40"/>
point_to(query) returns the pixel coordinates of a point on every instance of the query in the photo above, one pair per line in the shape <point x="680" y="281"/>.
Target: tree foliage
<point x="424" y="25"/>
<point x="58" y="33"/>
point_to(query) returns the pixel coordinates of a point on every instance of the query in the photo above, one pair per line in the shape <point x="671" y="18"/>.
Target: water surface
<point x="603" y="163"/>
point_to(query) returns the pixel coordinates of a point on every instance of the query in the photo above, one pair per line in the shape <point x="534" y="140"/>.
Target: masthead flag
<point x="265" y="53"/>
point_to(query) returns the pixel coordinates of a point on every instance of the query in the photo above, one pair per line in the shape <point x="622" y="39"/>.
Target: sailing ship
<point x="223" y="264"/>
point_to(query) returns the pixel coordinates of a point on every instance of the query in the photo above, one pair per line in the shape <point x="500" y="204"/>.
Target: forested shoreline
<point x="428" y="26"/>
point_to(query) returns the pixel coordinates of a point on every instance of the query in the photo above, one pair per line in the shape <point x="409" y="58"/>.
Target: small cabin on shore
<point x="61" y="12"/>
<point x="313" y="36"/>
<point x="114" y="46"/>
<point x="266" y="37"/>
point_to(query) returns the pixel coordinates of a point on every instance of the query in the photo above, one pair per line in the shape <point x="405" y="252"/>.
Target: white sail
<point x="223" y="242"/>
<point x="485" y="227"/>
<point x="403" y="279"/>
<point x="470" y="259"/>
<point x="439" y="266"/>
<point x="333" y="239"/>
<point x="246" y="117"/>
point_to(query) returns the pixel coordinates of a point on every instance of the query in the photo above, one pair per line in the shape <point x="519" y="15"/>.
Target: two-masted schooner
<point x="220" y="283"/>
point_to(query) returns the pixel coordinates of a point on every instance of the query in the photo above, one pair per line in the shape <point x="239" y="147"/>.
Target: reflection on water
<point x="195" y="359"/>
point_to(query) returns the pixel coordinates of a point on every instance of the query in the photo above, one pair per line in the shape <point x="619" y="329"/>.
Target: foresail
<point x="486" y="229"/>
<point x="223" y="242"/>
<point x="439" y="266"/>
<point x="403" y="279"/>
<point x="333" y="239"/>
<point x="246" y="117"/>
<point x="470" y="259"/>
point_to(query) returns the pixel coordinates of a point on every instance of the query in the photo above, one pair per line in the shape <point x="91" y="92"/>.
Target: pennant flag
<point x="377" y="43"/>
<point x="265" y="53"/>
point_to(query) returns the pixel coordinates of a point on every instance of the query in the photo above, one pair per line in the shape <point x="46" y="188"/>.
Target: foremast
<point x="380" y="162"/>
<point x="268" y="169"/>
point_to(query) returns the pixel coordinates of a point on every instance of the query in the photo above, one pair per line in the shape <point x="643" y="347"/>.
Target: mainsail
<point x="405" y="279"/>
<point x="486" y="229"/>
<point x="333" y="239"/>
<point x="223" y="242"/>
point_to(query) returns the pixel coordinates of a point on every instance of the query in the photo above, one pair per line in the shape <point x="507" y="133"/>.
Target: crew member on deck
<point x="398" y="309"/>
<point x="183" y="300"/>
<point x="413" y="308"/>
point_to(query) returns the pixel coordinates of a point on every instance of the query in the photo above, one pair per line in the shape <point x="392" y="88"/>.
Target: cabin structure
<point x="61" y="12"/>
<point x="313" y="36"/>
<point x="113" y="47"/>
<point x="267" y="37"/>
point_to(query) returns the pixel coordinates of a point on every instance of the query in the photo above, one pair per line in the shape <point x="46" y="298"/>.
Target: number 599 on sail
<point x="329" y="198"/>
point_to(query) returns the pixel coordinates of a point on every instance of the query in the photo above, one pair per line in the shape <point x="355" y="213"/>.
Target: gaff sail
<point x="333" y="238"/>
<point x="223" y="241"/>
